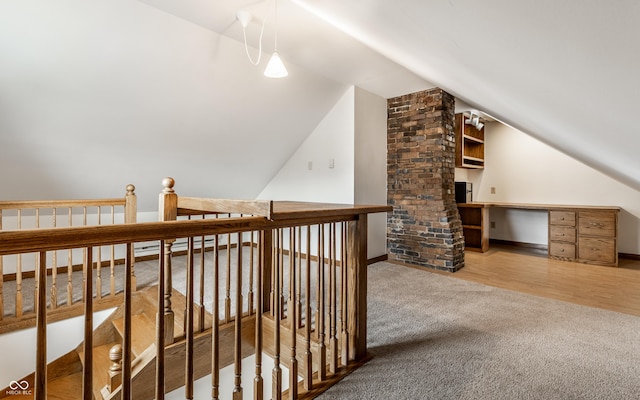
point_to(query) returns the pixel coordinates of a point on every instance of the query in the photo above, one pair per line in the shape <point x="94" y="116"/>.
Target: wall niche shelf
<point x="469" y="144"/>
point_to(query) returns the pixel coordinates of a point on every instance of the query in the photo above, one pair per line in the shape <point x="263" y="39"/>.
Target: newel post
<point x="131" y="217"/>
<point x="168" y="211"/>
<point x="357" y="287"/>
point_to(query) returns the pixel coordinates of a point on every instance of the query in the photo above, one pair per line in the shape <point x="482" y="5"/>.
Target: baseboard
<point x="629" y="256"/>
<point x="536" y="246"/>
<point x="374" y="260"/>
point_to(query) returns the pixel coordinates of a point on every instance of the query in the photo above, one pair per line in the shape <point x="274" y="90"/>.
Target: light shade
<point x="275" y="67"/>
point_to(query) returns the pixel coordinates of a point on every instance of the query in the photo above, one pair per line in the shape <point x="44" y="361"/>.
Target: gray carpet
<point x="438" y="337"/>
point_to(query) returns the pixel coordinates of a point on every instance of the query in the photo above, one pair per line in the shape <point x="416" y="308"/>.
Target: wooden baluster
<point x="258" y="387"/>
<point x="299" y="282"/>
<point x="70" y="266"/>
<point x="168" y="211"/>
<point x="99" y="262"/>
<point x="201" y="309"/>
<point x="215" y="336"/>
<point x="227" y="296"/>
<point x="251" y="267"/>
<point x="126" y="340"/>
<point x="114" y="376"/>
<point x="40" y="379"/>
<point x="54" y="266"/>
<point x="344" y="337"/>
<point x="320" y="321"/>
<point x="87" y="373"/>
<point x="357" y="287"/>
<point x="237" y="389"/>
<point x="333" y="307"/>
<point x="160" y="334"/>
<point x="112" y="266"/>
<point x="272" y="273"/>
<point x="281" y="273"/>
<point x="308" y="362"/>
<point x="19" y="274"/>
<point x="290" y="300"/>
<point x="293" y="361"/>
<point x="188" y="376"/>
<point x="168" y="290"/>
<point x="84" y="258"/>
<point x="35" y="268"/>
<point x="276" y="378"/>
<point x="131" y="217"/>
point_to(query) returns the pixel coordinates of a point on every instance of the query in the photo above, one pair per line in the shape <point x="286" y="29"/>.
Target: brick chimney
<point x="424" y="228"/>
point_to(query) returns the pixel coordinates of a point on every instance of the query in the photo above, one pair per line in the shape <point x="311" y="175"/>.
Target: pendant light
<point x="275" y="67"/>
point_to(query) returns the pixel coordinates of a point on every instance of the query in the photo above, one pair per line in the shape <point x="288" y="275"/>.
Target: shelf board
<point x="476" y="159"/>
<point x="473" y="139"/>
<point x="471" y="227"/>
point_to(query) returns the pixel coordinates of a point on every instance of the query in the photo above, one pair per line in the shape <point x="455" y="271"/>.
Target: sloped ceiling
<point x="566" y="72"/>
<point x="95" y="95"/>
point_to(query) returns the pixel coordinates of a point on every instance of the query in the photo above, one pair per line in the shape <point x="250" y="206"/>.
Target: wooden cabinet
<point x="584" y="235"/>
<point x="469" y="144"/>
<point x="474" y="219"/>
<point x="562" y="235"/>
<point x="597" y="237"/>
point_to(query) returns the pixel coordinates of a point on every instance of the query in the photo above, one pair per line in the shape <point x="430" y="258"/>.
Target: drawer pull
<point x="597" y="224"/>
<point x="595" y="249"/>
<point x="561" y="250"/>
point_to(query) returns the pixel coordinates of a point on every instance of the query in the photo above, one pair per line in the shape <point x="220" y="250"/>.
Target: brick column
<point x="424" y="228"/>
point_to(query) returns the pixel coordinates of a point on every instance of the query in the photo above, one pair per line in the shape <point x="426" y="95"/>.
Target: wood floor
<point x="610" y="288"/>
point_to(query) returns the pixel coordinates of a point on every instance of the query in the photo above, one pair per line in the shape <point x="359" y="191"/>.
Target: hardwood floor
<point x="522" y="270"/>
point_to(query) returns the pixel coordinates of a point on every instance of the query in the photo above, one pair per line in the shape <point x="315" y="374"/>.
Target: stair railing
<point x="64" y="301"/>
<point x="309" y="305"/>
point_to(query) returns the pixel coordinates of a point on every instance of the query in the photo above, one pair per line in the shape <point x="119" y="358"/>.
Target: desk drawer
<point x="601" y="250"/>
<point x="597" y="223"/>
<point x="562" y="233"/>
<point x="565" y="218"/>
<point x="562" y="250"/>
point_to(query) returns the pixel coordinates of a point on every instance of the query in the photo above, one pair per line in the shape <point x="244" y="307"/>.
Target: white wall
<point x="525" y="170"/>
<point x="353" y="135"/>
<point x="371" y="164"/>
<point x="307" y="175"/>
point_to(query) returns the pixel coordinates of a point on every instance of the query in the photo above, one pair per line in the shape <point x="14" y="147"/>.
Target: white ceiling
<point x="563" y="71"/>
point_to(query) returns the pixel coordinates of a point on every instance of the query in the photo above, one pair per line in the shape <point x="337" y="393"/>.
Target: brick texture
<point x="424" y="228"/>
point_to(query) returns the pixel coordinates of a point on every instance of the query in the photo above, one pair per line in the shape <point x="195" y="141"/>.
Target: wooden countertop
<point x="533" y="206"/>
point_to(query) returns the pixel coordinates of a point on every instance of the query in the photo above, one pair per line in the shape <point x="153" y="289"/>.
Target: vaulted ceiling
<point x="565" y="72"/>
<point x="119" y="91"/>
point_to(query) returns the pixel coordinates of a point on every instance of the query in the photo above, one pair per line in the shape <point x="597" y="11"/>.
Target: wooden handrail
<point x="261" y="208"/>
<point x="32" y="204"/>
<point x="324" y="335"/>
<point x="49" y="239"/>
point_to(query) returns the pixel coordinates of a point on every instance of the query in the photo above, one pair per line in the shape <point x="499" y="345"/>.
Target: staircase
<point x="64" y="375"/>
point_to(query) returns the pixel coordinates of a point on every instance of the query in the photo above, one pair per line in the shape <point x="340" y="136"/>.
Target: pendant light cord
<point x="246" y="46"/>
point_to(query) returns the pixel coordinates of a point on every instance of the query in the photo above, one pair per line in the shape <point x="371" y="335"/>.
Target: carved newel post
<point x="115" y="370"/>
<point x="168" y="211"/>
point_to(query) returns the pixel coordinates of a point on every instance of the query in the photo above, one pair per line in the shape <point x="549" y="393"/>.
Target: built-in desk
<point x="587" y="234"/>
